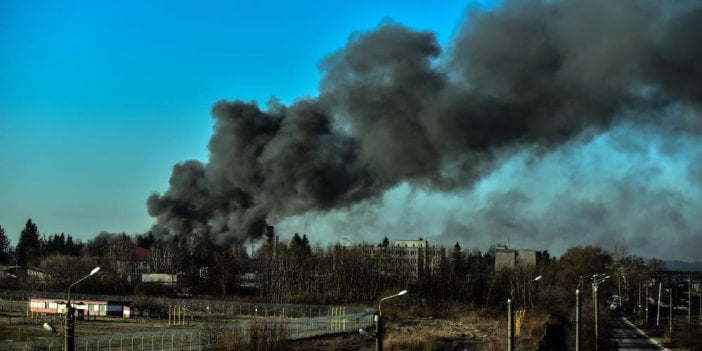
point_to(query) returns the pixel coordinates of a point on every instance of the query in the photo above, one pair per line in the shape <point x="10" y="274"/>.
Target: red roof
<point x="137" y="254"/>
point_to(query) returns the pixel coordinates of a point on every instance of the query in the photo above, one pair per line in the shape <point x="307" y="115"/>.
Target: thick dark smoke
<point x="393" y="109"/>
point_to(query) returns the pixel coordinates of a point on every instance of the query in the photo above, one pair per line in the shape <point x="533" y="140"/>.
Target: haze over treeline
<point x="541" y="124"/>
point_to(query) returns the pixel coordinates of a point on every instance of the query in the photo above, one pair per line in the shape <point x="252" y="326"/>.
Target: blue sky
<point x="99" y="99"/>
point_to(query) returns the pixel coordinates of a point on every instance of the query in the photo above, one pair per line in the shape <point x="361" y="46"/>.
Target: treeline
<point x="294" y="271"/>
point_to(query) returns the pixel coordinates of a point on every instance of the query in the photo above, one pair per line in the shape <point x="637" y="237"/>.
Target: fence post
<point x="109" y="344"/>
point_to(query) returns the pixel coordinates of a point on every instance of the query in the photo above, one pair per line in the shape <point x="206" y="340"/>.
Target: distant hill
<point x="676" y="265"/>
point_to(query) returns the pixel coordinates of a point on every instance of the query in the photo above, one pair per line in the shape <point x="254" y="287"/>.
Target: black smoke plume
<point x="393" y="108"/>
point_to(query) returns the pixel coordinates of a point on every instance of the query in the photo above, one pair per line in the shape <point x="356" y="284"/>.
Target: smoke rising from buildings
<point x="528" y="80"/>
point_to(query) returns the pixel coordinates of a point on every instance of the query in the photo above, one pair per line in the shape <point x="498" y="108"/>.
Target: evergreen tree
<point x="457" y="259"/>
<point x="29" y="245"/>
<point x="73" y="248"/>
<point x="5" y="248"/>
<point x="296" y="241"/>
<point x="146" y="240"/>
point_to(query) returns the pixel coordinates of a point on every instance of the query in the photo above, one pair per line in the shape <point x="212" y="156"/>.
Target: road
<point x="625" y="336"/>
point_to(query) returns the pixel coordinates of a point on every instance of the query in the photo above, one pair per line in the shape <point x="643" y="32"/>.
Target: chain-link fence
<point x="204" y="338"/>
<point x="213" y="319"/>
<point x="213" y="307"/>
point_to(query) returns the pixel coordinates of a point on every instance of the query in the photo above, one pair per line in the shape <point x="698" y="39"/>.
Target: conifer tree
<point x="29" y="245"/>
<point x="5" y="248"/>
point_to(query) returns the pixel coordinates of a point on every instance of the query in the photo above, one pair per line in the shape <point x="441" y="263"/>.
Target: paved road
<point x="625" y="336"/>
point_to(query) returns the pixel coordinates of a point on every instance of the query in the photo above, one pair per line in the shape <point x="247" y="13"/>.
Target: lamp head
<point x="403" y="292"/>
<point x="95" y="270"/>
<point x="537" y="278"/>
<point x="50" y="327"/>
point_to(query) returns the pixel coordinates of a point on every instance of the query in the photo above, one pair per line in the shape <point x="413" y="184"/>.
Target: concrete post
<point x="638" y="303"/>
<point x="670" y="310"/>
<point x="379" y="332"/>
<point x="70" y="327"/>
<point x="658" y="313"/>
<point x="510" y="326"/>
<point x="597" y="314"/>
<point x="577" y="320"/>
<point x="689" y="305"/>
<point x="647" y="304"/>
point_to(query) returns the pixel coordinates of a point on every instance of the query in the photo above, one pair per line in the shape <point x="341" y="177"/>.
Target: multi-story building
<point x="506" y="258"/>
<point x="409" y="257"/>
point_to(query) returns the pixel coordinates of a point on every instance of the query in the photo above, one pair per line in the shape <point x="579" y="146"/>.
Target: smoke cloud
<point x="529" y="80"/>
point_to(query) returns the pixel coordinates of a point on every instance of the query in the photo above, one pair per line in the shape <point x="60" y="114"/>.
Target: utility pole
<point x="379" y="332"/>
<point x="70" y="314"/>
<point x="597" y="313"/>
<point x="670" y="311"/>
<point x="689" y="305"/>
<point x="638" y="304"/>
<point x="379" y="326"/>
<point x="577" y="320"/>
<point x="510" y="326"/>
<point x="510" y="314"/>
<point x="70" y="328"/>
<point x="658" y="313"/>
<point x="647" y="303"/>
<point x="597" y="279"/>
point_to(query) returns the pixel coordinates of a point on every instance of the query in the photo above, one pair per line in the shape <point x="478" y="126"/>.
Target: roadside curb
<point x="640" y="332"/>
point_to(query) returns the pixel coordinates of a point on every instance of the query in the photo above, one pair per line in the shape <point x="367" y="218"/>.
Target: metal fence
<point x="202" y="306"/>
<point x="202" y="338"/>
<point x="297" y="321"/>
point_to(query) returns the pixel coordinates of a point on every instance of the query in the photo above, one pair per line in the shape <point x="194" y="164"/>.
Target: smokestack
<point x="393" y="109"/>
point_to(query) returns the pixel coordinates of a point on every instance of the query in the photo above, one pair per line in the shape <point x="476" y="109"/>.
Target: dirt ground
<point x="419" y="334"/>
<point x="440" y="334"/>
<point x="475" y="332"/>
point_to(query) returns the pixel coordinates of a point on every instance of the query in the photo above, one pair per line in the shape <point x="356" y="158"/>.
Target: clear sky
<point x="99" y="99"/>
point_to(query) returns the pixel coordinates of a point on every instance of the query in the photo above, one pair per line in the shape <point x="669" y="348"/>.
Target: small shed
<point x="84" y="308"/>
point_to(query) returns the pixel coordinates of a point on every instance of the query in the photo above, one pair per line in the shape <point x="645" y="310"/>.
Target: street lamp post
<point x="578" y="324"/>
<point x="597" y="279"/>
<point x="510" y="314"/>
<point x="670" y="312"/>
<point x="70" y="313"/>
<point x="379" y="332"/>
<point x="658" y="307"/>
<point x="647" y="304"/>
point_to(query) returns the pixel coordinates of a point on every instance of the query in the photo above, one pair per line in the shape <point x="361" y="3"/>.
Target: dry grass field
<point x="456" y="328"/>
